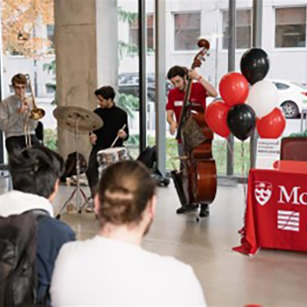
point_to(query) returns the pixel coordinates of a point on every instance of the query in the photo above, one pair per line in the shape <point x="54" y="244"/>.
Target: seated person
<point x="35" y="175"/>
<point x="120" y="272"/>
<point x="115" y="126"/>
<point x="14" y="117"/>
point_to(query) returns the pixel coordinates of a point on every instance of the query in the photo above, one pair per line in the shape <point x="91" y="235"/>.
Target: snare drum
<point x="107" y="157"/>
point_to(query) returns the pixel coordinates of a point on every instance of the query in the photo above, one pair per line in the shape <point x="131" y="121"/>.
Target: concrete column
<point x="160" y="10"/>
<point x="107" y="42"/>
<point x="1" y="88"/>
<point x="76" y="60"/>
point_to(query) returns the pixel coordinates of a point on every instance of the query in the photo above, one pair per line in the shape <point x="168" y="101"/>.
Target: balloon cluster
<point x="244" y="106"/>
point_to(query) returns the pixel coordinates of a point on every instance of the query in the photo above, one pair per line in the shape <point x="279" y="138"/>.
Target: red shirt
<point x="176" y="97"/>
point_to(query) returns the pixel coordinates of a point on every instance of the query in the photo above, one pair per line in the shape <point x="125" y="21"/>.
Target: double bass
<point x="196" y="182"/>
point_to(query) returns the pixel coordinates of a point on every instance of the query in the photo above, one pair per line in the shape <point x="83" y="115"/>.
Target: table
<point x="276" y="212"/>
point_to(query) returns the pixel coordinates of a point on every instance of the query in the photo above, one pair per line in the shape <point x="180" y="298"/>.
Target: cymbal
<point x="68" y="116"/>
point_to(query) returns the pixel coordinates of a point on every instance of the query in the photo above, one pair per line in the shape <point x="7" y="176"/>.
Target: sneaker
<point x="204" y="210"/>
<point x="90" y="206"/>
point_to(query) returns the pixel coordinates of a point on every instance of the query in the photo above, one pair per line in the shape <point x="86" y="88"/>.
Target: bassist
<point x="199" y="91"/>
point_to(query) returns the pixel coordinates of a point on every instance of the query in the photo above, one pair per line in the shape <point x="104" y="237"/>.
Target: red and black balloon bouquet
<point x="254" y="65"/>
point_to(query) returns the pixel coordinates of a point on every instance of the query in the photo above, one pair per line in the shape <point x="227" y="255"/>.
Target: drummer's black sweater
<point x="113" y="120"/>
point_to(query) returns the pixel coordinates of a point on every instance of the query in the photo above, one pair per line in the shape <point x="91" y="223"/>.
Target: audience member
<point x="112" y="268"/>
<point x="35" y="175"/>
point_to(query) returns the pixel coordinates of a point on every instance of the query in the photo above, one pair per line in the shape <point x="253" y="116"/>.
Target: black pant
<point x="19" y="143"/>
<point x="92" y="172"/>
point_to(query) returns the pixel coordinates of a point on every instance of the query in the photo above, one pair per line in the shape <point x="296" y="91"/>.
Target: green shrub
<point x="51" y="139"/>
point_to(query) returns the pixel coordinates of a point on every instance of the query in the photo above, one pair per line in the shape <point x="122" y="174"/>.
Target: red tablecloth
<point x="276" y="212"/>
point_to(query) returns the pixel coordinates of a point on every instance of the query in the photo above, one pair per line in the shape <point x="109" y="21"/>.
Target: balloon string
<point x="230" y="149"/>
<point x="242" y="231"/>
<point x="225" y="144"/>
<point x="243" y="172"/>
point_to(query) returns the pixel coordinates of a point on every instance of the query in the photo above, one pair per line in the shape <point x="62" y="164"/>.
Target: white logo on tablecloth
<point x="263" y="192"/>
<point x="288" y="220"/>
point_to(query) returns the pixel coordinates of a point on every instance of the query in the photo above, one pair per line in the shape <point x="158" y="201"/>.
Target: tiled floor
<point x="271" y="278"/>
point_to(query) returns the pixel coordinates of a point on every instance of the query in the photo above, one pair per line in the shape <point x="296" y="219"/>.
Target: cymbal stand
<point x="78" y="192"/>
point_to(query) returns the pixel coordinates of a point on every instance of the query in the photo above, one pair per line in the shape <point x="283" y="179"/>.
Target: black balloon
<point x="254" y="65"/>
<point x="241" y="120"/>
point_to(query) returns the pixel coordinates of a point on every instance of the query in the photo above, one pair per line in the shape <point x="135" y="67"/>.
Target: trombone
<point x="35" y="113"/>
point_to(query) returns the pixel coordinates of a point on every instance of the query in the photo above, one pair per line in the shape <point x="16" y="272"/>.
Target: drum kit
<point x="107" y="157"/>
<point x="79" y="120"/>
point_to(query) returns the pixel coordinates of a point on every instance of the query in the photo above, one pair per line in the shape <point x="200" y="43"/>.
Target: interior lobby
<point x="102" y="42"/>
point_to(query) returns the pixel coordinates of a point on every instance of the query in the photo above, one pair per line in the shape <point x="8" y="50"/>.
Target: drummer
<point x="114" y="119"/>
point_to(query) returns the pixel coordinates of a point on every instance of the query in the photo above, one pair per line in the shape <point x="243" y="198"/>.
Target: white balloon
<point x="263" y="97"/>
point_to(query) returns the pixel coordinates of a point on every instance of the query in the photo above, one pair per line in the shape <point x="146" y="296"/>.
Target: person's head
<point x="178" y="76"/>
<point x="105" y="96"/>
<point x="126" y="197"/>
<point x="19" y="83"/>
<point x="36" y="170"/>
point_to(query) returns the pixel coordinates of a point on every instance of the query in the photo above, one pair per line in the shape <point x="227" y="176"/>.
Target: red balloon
<point x="272" y="125"/>
<point x="216" y="118"/>
<point x="234" y="88"/>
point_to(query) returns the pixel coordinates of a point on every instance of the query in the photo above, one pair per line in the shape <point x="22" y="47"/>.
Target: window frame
<point x="51" y="48"/>
<point x="136" y="28"/>
<point x="173" y="13"/>
<point x="292" y="49"/>
<point x="251" y="28"/>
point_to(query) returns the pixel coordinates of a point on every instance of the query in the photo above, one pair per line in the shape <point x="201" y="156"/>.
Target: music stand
<point x="76" y="119"/>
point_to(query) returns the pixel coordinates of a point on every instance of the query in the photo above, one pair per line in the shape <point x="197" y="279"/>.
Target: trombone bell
<point x="37" y="113"/>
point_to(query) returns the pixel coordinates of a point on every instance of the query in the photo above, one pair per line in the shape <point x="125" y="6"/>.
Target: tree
<point x="51" y="68"/>
<point x="125" y="48"/>
<point x="128" y="102"/>
<point x="19" y="20"/>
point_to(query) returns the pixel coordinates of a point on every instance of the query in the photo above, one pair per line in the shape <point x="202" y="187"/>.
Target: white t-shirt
<point x="103" y="272"/>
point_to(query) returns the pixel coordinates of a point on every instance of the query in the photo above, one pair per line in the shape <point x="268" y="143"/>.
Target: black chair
<point x="39" y="132"/>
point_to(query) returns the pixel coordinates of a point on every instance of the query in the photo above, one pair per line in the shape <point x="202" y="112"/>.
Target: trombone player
<point x="15" y="117"/>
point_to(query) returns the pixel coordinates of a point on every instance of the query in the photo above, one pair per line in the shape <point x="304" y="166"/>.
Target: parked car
<point x="292" y="97"/>
<point x="134" y="90"/>
<point x="132" y="78"/>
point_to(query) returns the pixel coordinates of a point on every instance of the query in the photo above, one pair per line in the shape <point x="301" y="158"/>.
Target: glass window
<point x="243" y="29"/>
<point x="134" y="90"/>
<point x="134" y="34"/>
<point x="187" y="30"/>
<point x="50" y="35"/>
<point x="50" y="88"/>
<point x="290" y="31"/>
<point x="128" y="69"/>
<point x="27" y="39"/>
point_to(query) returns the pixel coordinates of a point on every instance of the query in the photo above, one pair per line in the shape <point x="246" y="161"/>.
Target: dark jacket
<point x="52" y="234"/>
